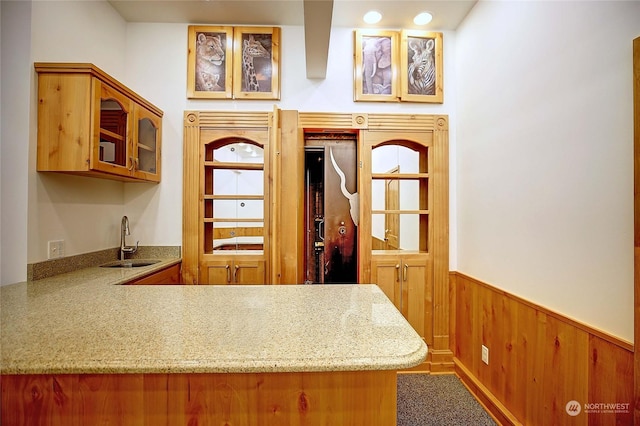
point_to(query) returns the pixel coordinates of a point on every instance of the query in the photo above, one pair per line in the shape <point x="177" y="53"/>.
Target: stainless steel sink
<point x="130" y="263"/>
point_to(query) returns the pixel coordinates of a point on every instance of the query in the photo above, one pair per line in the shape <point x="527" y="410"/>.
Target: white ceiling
<point x="447" y="14"/>
<point x="321" y="16"/>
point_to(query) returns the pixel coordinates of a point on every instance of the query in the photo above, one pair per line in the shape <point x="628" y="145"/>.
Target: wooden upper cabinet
<point x="90" y="124"/>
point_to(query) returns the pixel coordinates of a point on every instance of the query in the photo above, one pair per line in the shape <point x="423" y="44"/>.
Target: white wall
<point x="545" y="155"/>
<point x="14" y="149"/>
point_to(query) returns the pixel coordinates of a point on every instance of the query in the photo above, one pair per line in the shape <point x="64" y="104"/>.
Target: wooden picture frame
<point x="376" y="65"/>
<point x="421" y="66"/>
<point x="256" y="63"/>
<point x="209" y="62"/>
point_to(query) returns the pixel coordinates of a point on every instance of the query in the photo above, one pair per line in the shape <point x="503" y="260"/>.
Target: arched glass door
<point x="233" y="196"/>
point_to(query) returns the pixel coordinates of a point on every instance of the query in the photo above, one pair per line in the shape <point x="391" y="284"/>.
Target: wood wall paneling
<point x="538" y="359"/>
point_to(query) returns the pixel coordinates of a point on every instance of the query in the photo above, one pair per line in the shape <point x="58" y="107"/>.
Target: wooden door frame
<point x="636" y="227"/>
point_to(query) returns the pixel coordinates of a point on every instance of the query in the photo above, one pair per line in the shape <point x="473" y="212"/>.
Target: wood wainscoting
<point x="539" y="360"/>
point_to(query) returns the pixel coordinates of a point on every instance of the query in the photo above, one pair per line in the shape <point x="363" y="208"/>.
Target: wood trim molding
<point x="495" y="408"/>
<point x="87" y="68"/>
<point x="636" y="216"/>
<point x="190" y="198"/>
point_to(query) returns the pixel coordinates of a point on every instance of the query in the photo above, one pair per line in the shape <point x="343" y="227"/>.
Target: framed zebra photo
<point x="376" y="66"/>
<point x="256" y="63"/>
<point x="209" y="62"/>
<point x="421" y="66"/>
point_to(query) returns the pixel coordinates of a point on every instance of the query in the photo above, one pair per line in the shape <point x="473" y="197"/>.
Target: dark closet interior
<point x="331" y="208"/>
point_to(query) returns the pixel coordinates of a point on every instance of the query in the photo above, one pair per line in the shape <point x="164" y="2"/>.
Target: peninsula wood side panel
<point x="241" y="399"/>
<point x="538" y="360"/>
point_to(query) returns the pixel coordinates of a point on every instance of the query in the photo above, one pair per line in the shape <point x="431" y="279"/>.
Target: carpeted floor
<point x="440" y="400"/>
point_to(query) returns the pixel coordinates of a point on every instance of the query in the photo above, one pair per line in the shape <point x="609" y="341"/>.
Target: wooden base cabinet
<point x="242" y="270"/>
<point x="91" y="124"/>
<point x="170" y="275"/>
<point x="406" y="280"/>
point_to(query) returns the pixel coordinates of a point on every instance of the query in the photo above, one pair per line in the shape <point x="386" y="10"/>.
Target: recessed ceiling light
<point x="422" y="18"/>
<point x="372" y="17"/>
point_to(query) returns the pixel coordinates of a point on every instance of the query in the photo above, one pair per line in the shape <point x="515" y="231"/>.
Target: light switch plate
<point x="485" y="354"/>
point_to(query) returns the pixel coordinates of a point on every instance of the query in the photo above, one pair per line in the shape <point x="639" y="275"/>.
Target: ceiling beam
<point x="317" y="32"/>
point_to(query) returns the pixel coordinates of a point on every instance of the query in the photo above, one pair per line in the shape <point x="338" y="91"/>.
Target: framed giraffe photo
<point x="256" y="63"/>
<point x="209" y="62"/>
<point x="376" y="65"/>
<point x="421" y="66"/>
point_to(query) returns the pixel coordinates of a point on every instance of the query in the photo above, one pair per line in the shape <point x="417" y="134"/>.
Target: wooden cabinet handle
<point x="398" y="271"/>
<point x="235" y="275"/>
<point x="228" y="274"/>
<point x="404" y="272"/>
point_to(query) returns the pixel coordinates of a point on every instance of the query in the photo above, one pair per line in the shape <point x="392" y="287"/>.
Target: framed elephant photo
<point x="209" y="62"/>
<point x="376" y="65"/>
<point x="421" y="66"/>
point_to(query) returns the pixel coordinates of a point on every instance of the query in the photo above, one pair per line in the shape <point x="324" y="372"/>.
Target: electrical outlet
<point x="56" y="249"/>
<point x="485" y="354"/>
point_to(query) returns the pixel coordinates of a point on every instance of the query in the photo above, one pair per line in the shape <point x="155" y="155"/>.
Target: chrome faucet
<point x="124" y="231"/>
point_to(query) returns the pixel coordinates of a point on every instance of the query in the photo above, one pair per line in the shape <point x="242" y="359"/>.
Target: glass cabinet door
<point x="400" y="196"/>
<point x="111" y="150"/>
<point x="146" y="146"/>
<point x="146" y="155"/>
<point x="234" y="197"/>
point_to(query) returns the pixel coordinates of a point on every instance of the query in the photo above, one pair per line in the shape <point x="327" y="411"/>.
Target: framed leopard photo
<point x="209" y="62"/>
<point x="421" y="66"/>
<point x="256" y="63"/>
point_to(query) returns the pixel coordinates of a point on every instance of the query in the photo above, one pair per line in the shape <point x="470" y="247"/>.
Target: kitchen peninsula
<point x="90" y="352"/>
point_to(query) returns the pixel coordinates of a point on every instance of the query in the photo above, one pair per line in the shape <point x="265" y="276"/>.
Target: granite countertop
<point x="83" y="322"/>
